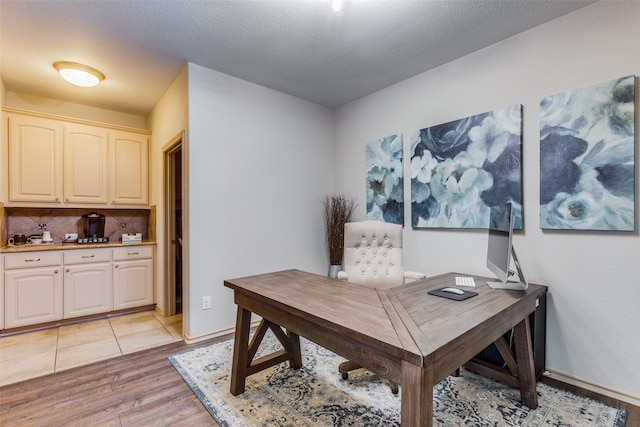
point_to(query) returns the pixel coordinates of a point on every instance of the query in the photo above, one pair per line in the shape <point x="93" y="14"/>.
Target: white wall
<point x="259" y="164"/>
<point x="167" y="120"/>
<point x="593" y="277"/>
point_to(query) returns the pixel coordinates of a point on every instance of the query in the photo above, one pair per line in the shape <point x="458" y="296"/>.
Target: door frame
<point x="170" y="245"/>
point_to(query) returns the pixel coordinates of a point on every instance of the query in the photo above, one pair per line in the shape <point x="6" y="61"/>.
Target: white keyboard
<point x="465" y="281"/>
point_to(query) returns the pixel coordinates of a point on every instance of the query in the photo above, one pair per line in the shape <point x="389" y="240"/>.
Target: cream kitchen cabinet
<point x="35" y="159"/>
<point x="1" y="293"/>
<point x="129" y="168"/>
<point x="88" y="287"/>
<point x="132" y="276"/>
<point x="62" y="162"/>
<point x="33" y="288"/>
<point x="85" y="164"/>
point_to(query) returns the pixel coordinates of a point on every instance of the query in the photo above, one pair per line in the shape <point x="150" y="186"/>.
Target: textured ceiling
<point x="299" y="47"/>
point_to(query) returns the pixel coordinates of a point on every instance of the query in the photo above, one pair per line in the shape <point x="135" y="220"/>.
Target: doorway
<point x="174" y="209"/>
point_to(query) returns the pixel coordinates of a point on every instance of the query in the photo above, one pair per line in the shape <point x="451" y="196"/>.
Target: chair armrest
<point x="342" y="275"/>
<point x="414" y="275"/>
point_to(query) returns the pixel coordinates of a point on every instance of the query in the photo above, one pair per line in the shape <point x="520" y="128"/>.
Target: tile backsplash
<point x="60" y="221"/>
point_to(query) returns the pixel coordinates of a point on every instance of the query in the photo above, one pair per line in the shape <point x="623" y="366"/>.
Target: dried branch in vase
<point x="337" y="211"/>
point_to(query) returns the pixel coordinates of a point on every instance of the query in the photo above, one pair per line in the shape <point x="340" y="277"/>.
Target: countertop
<point x="29" y="247"/>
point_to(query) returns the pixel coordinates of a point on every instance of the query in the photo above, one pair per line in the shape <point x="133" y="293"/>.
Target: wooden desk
<point x="404" y="334"/>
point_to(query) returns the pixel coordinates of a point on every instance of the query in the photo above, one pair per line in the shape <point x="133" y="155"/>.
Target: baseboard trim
<point x="605" y="391"/>
<point x="224" y="333"/>
<point x="218" y="334"/>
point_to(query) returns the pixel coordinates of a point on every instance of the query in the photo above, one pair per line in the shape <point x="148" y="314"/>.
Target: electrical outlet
<point x="206" y="303"/>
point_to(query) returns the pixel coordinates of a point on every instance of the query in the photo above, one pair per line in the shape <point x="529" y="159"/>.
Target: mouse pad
<point x="439" y="293"/>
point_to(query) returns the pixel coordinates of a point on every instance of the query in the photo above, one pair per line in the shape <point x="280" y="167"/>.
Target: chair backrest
<point x="373" y="253"/>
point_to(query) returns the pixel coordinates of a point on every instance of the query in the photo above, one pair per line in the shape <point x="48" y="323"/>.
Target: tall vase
<point x="333" y="270"/>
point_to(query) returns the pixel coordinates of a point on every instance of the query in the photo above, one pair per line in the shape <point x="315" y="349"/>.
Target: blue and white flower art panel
<point x="385" y="180"/>
<point x="587" y="165"/>
<point x="460" y="169"/>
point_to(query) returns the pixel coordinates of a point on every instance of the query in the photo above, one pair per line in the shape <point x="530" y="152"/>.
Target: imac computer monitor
<point x="500" y="249"/>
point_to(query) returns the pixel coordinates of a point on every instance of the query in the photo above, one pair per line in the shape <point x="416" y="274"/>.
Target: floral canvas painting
<point x="385" y="192"/>
<point x="460" y="169"/>
<point x="587" y="167"/>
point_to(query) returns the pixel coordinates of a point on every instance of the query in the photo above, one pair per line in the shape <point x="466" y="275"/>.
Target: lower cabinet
<point x="33" y="288"/>
<point x="1" y="293"/>
<point x="41" y="287"/>
<point x="88" y="287"/>
<point x="33" y="295"/>
<point x="132" y="277"/>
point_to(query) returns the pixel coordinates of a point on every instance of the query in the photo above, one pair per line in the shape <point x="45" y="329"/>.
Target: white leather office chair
<point x="373" y="257"/>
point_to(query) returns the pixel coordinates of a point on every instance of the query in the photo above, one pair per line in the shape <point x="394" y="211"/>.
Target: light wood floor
<point x="140" y="389"/>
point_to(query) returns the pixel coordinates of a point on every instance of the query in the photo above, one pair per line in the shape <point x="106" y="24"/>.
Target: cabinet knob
<point x="115" y="266"/>
<point x="55" y="272"/>
<point x="57" y="199"/>
<point x="67" y="270"/>
<point x="66" y="200"/>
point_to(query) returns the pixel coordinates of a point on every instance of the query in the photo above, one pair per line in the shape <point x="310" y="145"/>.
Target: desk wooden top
<point x="405" y="322"/>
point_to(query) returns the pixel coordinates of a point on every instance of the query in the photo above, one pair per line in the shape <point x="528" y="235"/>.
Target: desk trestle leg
<point x="245" y="351"/>
<point x="416" y="408"/>
<point x="521" y="369"/>
<point x="526" y="370"/>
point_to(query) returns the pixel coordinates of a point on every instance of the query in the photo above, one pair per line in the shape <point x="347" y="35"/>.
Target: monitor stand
<point x="515" y="286"/>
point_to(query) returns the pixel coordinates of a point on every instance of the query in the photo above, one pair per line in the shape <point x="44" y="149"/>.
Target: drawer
<point x="132" y="252"/>
<point x="32" y="259"/>
<point x="84" y="256"/>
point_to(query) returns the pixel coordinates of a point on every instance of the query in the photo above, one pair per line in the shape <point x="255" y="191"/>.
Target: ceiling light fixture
<point x="336" y="5"/>
<point x="78" y="74"/>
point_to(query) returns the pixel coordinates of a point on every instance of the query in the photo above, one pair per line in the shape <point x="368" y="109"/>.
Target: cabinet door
<point x="85" y="164"/>
<point x="1" y="295"/>
<point x="129" y="168"/>
<point x="88" y="289"/>
<point x="35" y="159"/>
<point x="32" y="295"/>
<point x="132" y="283"/>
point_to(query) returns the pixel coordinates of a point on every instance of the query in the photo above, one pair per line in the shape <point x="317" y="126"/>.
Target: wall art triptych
<point x="385" y="180"/>
<point x="587" y="168"/>
<point x="460" y="169"/>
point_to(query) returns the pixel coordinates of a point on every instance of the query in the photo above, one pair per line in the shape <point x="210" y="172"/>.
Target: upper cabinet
<point x="129" y="168"/>
<point x="59" y="162"/>
<point x="85" y="164"/>
<point x="35" y="159"/>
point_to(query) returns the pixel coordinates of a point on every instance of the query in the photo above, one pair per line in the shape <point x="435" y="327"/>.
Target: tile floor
<point x="33" y="354"/>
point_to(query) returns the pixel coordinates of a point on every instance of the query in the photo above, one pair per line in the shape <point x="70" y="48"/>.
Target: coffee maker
<point x="93" y="228"/>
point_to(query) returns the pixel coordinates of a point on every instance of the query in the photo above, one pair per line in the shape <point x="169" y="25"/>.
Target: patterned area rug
<point x="316" y="395"/>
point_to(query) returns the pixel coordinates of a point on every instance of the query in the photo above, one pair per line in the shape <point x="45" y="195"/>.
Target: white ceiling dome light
<point x="78" y="74"/>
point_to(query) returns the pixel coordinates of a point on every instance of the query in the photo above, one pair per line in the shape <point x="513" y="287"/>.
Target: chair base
<point x="348" y="366"/>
